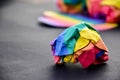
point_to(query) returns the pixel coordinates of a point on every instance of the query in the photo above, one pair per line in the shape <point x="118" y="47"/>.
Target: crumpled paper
<point x="79" y="43"/>
<point x="108" y="9"/>
<point x="71" y="6"/>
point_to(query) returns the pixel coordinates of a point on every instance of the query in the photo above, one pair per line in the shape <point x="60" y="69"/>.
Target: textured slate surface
<point x="25" y="51"/>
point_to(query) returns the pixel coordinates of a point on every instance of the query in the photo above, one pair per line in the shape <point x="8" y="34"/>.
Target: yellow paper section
<point x="69" y="58"/>
<point x="91" y="35"/>
<point x="81" y="43"/>
<point x="115" y="3"/>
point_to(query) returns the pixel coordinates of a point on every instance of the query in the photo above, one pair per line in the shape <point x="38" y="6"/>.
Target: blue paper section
<point x="100" y="54"/>
<point x="60" y="47"/>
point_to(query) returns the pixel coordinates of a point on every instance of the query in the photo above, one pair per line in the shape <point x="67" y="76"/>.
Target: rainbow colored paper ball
<point x="79" y="43"/>
<point x="107" y="9"/>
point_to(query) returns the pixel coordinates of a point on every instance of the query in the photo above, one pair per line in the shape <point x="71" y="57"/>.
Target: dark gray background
<point x="25" y="51"/>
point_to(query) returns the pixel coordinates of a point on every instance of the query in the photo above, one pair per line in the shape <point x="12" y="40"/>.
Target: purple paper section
<point x="51" y="22"/>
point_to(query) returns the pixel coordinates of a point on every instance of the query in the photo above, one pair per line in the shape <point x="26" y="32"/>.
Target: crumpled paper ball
<point x="70" y="6"/>
<point x="79" y="43"/>
<point x="107" y="9"/>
